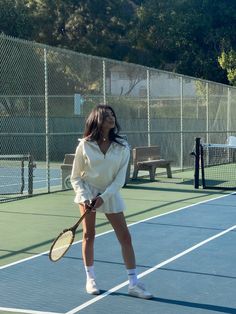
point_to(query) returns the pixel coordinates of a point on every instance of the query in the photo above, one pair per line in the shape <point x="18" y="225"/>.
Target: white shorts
<point x="114" y="204"/>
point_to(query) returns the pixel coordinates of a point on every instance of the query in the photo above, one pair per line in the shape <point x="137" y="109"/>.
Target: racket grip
<point x="94" y="201"/>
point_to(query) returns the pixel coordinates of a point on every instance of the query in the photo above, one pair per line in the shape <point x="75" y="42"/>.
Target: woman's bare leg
<point x="119" y="225"/>
<point x="88" y="237"/>
<point x="88" y="250"/>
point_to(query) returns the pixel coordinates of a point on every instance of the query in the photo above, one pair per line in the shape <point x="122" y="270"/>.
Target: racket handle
<point x="90" y="207"/>
<point x="93" y="202"/>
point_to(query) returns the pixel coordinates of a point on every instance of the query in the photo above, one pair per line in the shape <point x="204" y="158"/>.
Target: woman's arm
<point x="76" y="175"/>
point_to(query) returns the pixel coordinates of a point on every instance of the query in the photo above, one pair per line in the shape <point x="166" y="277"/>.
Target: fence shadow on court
<point x="28" y="250"/>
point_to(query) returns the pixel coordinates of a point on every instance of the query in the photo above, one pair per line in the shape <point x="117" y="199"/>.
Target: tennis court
<point x="184" y="241"/>
<point x="16" y="178"/>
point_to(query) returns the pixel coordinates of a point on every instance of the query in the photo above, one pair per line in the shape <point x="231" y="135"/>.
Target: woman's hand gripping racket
<point x="65" y="239"/>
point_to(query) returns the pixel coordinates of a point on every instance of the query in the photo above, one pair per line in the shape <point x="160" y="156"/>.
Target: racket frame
<point x="73" y="230"/>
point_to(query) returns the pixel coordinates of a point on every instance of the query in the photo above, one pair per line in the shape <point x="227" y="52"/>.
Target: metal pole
<point x="228" y="112"/>
<point x="46" y="119"/>
<point x="228" y="127"/>
<point x="181" y="123"/>
<point x="148" y="108"/>
<point x="207" y="118"/>
<point x="207" y="113"/>
<point x="104" y="80"/>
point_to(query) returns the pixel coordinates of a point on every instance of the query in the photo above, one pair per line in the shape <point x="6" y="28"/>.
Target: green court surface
<point x="28" y="226"/>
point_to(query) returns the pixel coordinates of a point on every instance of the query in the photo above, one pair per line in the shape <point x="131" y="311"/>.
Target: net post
<point x="197" y="157"/>
<point x="22" y="176"/>
<point x="30" y="174"/>
<point x="202" y="167"/>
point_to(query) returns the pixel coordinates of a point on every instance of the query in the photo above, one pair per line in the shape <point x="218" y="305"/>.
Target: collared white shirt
<point x="94" y="169"/>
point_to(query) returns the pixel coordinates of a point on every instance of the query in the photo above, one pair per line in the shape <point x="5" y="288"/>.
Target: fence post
<point x="104" y="80"/>
<point x="181" y="123"/>
<point x="148" y="108"/>
<point x="46" y="118"/>
<point x="207" y="113"/>
<point x="228" y="111"/>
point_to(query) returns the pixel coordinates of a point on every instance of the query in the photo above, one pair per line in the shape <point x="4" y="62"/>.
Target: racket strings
<point x="61" y="245"/>
<point x="65" y="239"/>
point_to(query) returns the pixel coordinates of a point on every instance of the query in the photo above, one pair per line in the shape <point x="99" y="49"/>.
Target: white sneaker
<point x="139" y="291"/>
<point x="91" y="287"/>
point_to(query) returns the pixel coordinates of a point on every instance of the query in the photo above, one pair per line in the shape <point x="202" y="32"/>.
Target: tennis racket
<point x="65" y="239"/>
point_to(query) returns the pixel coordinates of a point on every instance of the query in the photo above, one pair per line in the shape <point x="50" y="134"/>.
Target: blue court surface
<point x="11" y="183"/>
<point x="186" y="258"/>
<point x="40" y="178"/>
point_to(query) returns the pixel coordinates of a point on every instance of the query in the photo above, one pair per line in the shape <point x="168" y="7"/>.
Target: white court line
<point x="134" y="223"/>
<point x="123" y="284"/>
<point x="126" y="282"/>
<point x="96" y="299"/>
<point x="9" y="309"/>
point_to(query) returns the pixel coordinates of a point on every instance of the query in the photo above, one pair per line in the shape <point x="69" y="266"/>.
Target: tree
<point x="15" y="19"/>
<point x="85" y="26"/>
<point x="184" y="36"/>
<point x="227" y="61"/>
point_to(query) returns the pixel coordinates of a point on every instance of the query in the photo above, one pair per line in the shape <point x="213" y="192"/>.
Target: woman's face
<point x="108" y="120"/>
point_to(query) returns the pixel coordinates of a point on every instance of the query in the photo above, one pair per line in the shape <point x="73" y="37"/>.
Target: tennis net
<point x="217" y="165"/>
<point x="16" y="173"/>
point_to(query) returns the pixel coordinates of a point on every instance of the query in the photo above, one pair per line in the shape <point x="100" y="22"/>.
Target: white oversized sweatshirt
<point x="93" y="171"/>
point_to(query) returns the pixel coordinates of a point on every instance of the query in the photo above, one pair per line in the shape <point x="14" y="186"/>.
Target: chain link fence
<point x="47" y="92"/>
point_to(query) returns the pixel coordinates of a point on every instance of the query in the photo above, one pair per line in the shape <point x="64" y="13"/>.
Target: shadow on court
<point x="129" y="217"/>
<point x="209" y="307"/>
<point x="139" y="185"/>
<point x="199" y="280"/>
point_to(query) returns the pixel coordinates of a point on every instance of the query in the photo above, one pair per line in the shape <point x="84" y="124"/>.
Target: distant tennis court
<point x="184" y="241"/>
<point x="20" y="174"/>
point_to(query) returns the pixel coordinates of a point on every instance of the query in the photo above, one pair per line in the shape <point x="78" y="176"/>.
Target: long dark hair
<point x="93" y="125"/>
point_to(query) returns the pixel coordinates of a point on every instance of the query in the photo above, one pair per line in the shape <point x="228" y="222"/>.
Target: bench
<point x="148" y="158"/>
<point x="66" y="168"/>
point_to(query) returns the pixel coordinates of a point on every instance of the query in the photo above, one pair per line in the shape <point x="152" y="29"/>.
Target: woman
<point x="98" y="173"/>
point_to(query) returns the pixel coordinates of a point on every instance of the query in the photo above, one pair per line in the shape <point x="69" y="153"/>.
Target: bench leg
<point x="152" y="173"/>
<point x="168" y="170"/>
<point x="135" y="174"/>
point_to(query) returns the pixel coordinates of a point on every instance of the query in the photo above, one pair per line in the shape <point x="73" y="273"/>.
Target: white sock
<point x="90" y="272"/>
<point x="132" y="275"/>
